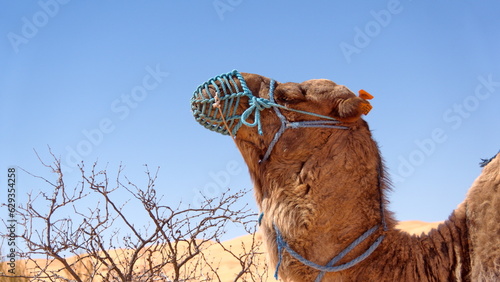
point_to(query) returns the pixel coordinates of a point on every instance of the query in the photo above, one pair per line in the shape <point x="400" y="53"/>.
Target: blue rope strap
<point x="256" y="106"/>
<point x="485" y="162"/>
<point x="285" y="124"/>
<point x="329" y="267"/>
<point x="259" y="220"/>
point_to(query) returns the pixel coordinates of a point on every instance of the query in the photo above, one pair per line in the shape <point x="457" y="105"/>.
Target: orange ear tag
<point x="365" y="107"/>
<point x="365" y="95"/>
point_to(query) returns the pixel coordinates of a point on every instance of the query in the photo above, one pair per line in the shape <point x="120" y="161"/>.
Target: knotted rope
<point x="256" y="106"/>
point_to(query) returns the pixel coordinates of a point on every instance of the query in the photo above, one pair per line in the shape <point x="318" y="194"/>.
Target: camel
<point x="321" y="185"/>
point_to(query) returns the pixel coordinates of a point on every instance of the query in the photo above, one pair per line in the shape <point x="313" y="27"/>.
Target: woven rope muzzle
<point x="215" y="103"/>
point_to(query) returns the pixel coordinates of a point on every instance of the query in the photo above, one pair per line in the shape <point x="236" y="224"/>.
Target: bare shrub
<point x="100" y="242"/>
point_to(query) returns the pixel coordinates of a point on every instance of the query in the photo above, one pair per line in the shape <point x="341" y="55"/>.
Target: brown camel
<point x="320" y="183"/>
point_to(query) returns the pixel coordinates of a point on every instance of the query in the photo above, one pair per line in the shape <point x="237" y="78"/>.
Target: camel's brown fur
<point x="324" y="187"/>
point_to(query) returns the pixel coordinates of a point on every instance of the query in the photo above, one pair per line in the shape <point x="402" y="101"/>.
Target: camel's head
<point x="255" y="110"/>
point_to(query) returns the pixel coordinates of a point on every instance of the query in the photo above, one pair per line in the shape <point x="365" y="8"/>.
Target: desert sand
<point x="228" y="266"/>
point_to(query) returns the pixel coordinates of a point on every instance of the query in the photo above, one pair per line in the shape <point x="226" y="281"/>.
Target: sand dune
<point x="227" y="265"/>
<point x="417" y="227"/>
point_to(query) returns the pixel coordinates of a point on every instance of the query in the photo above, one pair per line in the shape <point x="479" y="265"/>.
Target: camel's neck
<point x="440" y="255"/>
<point x="324" y="197"/>
<point x="334" y="185"/>
<point x="322" y="193"/>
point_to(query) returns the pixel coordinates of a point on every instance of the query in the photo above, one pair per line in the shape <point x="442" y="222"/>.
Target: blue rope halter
<point x="223" y="89"/>
<point x="329" y="267"/>
<point x="285" y="124"/>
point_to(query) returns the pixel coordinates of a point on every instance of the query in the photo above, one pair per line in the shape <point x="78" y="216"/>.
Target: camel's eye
<point x="287" y="100"/>
<point x="289" y="93"/>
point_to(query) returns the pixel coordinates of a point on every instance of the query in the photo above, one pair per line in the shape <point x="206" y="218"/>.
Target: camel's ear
<point x="351" y="109"/>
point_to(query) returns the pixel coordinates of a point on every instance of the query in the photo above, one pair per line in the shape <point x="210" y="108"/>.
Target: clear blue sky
<point x="111" y="81"/>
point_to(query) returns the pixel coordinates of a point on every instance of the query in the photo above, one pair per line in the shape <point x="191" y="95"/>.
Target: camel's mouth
<point x="215" y="103"/>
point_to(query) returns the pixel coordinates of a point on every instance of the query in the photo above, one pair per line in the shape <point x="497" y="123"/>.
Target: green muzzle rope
<point x="215" y="106"/>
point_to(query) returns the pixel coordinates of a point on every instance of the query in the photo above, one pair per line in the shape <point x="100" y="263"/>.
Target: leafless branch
<point x="82" y="242"/>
